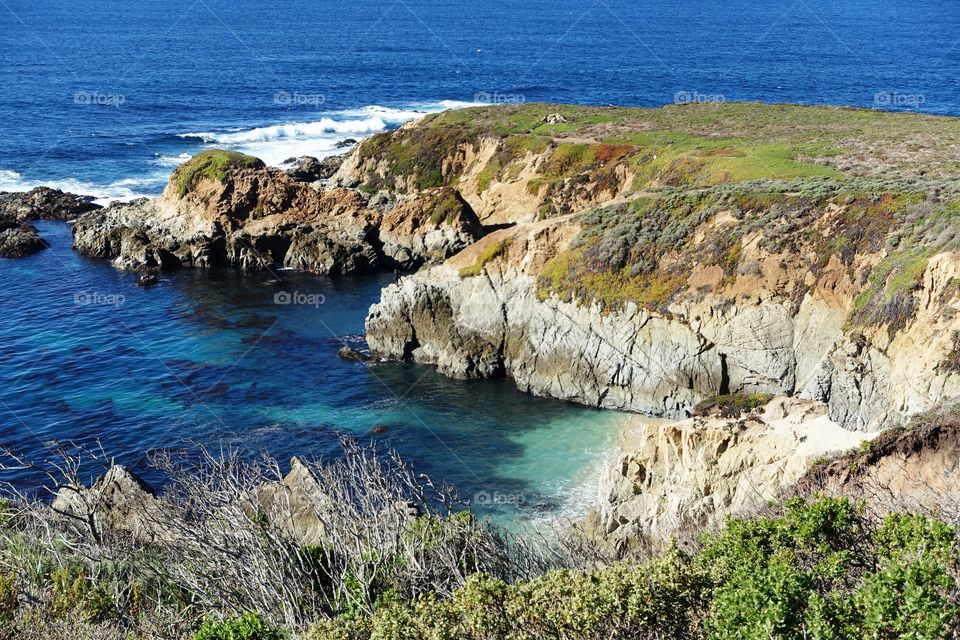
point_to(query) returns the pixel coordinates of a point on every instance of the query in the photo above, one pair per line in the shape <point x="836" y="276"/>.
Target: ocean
<point x="107" y="97"/>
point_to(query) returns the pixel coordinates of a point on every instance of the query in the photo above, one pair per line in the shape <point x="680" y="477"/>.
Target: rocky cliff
<point x="675" y="479"/>
<point x="223" y="208"/>
<point x="747" y="249"/>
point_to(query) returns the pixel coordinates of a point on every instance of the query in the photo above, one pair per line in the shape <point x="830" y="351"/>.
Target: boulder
<point x="18" y="240"/>
<point x="349" y="353"/>
<point x="119" y="500"/>
<point x="310" y="169"/>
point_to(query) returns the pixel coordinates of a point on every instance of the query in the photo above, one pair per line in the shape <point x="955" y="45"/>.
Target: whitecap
<point x="120" y="190"/>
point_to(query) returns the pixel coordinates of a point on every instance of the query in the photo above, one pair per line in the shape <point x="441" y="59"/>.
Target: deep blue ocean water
<point x="106" y="97"/>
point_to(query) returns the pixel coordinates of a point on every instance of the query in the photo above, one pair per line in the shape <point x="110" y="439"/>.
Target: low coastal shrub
<point x="732" y="405"/>
<point x="249" y="626"/>
<point x="816" y="569"/>
<point x="493" y="251"/>
<point x="396" y="561"/>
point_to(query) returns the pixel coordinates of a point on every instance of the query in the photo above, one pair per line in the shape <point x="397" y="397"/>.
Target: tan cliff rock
<point x="675" y="479"/>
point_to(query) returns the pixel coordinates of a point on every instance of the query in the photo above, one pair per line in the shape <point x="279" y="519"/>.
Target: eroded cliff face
<point x="777" y="329"/>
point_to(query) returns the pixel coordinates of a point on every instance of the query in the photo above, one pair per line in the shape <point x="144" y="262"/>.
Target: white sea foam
<point x="171" y="161"/>
<point x="275" y="143"/>
<point x="126" y="189"/>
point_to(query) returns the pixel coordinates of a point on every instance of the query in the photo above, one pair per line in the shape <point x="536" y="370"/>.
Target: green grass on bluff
<point x="213" y="164"/>
<point x="891" y="178"/>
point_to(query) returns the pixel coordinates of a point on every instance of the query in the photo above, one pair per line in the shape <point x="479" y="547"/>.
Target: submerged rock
<point x="148" y="280"/>
<point x="349" y="353"/>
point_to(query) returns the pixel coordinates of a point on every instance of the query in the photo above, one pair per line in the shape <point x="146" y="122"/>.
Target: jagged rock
<point x="309" y="169"/>
<point x="18" y="240"/>
<point x="148" y="280"/>
<point x="675" y="479"/>
<point x="347" y="142"/>
<point x="349" y="353"/>
<point x="44" y="203"/>
<point x="119" y="500"/>
<point x="298" y="502"/>
<point x="224" y="209"/>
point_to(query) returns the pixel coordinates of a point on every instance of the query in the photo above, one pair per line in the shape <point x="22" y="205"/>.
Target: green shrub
<point x="491" y="252"/>
<point x="732" y="405"/>
<point x="248" y="626"/>
<point x="75" y="593"/>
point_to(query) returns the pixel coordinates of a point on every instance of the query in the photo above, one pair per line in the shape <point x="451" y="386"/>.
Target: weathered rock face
<point x="430" y="227"/>
<point x="243" y="214"/>
<point x="912" y="469"/>
<point x="676" y="479"/>
<point x="778" y="329"/>
<point x="515" y="195"/>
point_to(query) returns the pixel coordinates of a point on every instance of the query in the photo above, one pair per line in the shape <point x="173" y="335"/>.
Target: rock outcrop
<point x="777" y="329"/>
<point x="44" y="203"/>
<point x="912" y="469"/>
<point x="18" y="238"/>
<point x="119" y="500"/>
<point x="310" y="169"/>
<point x="676" y="479"/>
<point x="223" y="209"/>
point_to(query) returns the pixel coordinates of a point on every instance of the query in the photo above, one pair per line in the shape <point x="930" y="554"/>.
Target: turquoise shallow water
<point x="209" y="358"/>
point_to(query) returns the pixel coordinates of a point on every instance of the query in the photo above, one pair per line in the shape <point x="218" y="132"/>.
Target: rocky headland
<point x="653" y="260"/>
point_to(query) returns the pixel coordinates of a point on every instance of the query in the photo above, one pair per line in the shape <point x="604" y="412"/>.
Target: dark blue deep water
<point x="107" y="96"/>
